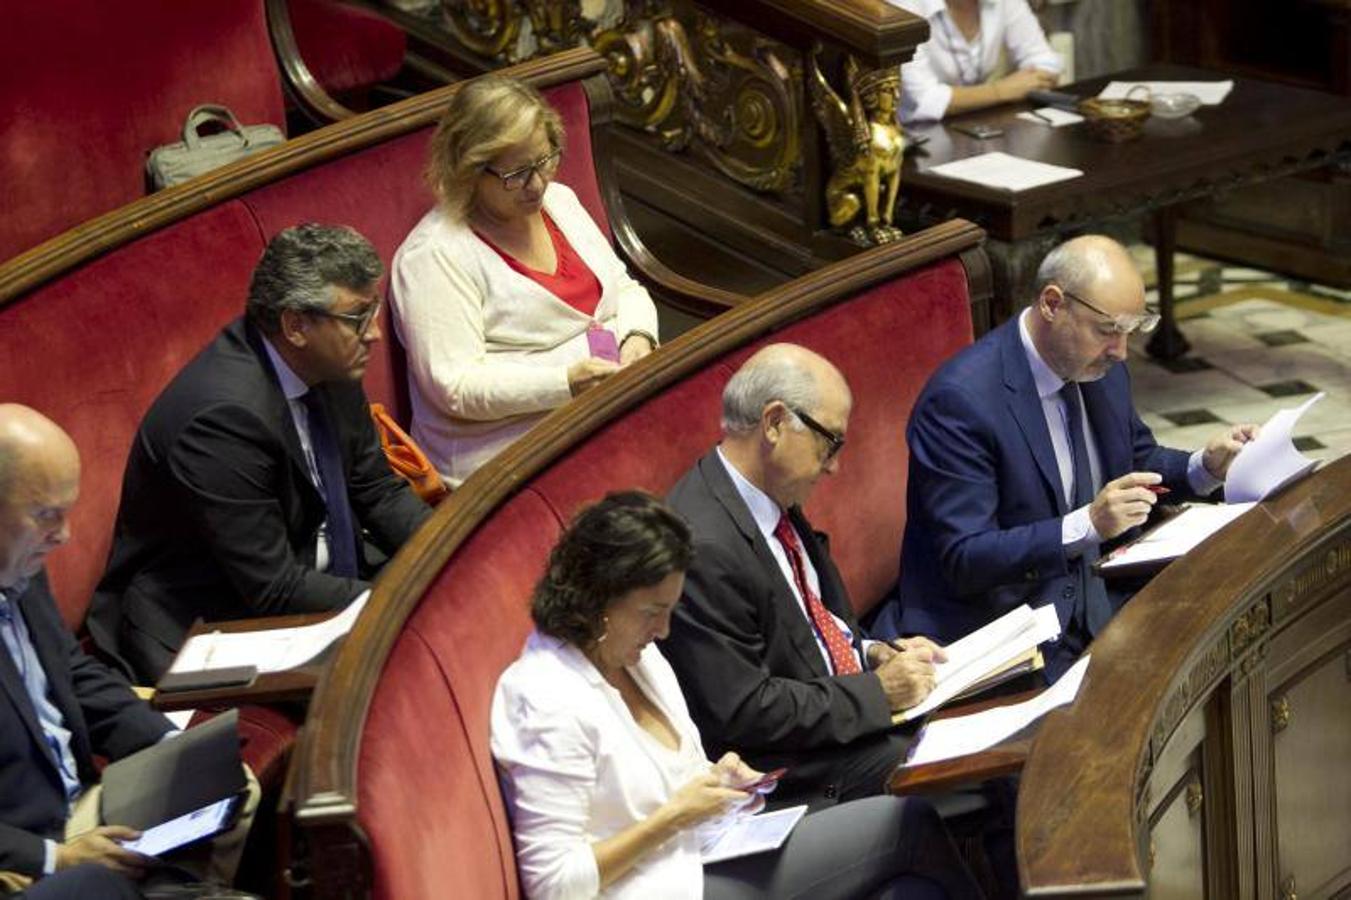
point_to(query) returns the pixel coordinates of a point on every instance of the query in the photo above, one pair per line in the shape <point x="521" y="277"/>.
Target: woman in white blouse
<point x="608" y="788"/>
<point x="951" y="72"/>
<point x="507" y="297"/>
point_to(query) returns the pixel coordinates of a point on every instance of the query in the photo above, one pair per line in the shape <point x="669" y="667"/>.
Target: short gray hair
<point x="756" y="385"/>
<point x="1075" y="266"/>
<point x="300" y="267"/>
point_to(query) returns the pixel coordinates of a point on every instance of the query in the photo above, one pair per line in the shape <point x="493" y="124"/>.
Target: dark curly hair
<point x="627" y="541"/>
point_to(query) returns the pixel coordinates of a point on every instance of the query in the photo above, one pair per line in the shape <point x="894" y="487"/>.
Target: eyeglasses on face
<point x="516" y="179"/>
<point x="359" y="321"/>
<point x="1122" y="324"/>
<point x="834" y="442"/>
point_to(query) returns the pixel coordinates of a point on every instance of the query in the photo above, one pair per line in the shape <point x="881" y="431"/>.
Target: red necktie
<point x="841" y="654"/>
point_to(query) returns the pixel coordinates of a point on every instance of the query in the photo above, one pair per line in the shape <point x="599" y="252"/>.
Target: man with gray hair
<point x="764" y="642"/>
<point x="1026" y="456"/>
<point x="257" y="477"/>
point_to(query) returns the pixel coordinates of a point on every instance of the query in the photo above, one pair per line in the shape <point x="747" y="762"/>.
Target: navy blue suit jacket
<point x="99" y="708"/>
<point x="984" y="502"/>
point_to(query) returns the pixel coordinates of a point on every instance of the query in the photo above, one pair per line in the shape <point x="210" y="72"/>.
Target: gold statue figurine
<point x="866" y="147"/>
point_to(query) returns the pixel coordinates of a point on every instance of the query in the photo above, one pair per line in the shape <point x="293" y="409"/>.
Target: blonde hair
<point x="486" y="116"/>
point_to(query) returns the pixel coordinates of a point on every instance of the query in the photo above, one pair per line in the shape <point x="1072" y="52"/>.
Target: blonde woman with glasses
<point x="506" y="295"/>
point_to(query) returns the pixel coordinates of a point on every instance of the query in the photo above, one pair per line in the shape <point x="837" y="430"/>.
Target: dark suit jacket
<point x="984" y="502"/>
<point x="747" y="657"/>
<point x="219" y="517"/>
<point x="103" y="716"/>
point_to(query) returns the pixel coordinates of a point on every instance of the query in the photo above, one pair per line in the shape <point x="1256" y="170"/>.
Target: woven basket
<point x="1115" y="121"/>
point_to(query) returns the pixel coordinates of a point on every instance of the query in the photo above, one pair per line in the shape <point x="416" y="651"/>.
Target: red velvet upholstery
<point x="93" y="349"/>
<point x="266" y="735"/>
<point x="445" y="825"/>
<point x="577" y="169"/>
<point x="89" y="87"/>
<point x="380" y="192"/>
<point x="345" y="47"/>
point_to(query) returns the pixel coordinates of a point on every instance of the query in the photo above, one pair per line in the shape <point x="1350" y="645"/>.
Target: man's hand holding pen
<point x="905" y="668"/>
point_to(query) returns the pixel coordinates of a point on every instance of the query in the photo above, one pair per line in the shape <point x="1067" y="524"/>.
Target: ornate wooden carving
<point x="1312" y="580"/>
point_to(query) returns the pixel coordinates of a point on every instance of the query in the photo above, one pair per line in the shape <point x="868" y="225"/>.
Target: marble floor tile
<point x="1192" y="390"/>
<point x="1338" y="443"/>
<point x="1332" y="333"/>
<point x="1317" y="365"/>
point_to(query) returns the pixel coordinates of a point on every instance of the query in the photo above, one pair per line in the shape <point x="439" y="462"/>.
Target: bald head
<point x="39" y="482"/>
<point x="1095" y="266"/>
<point x="785" y="372"/>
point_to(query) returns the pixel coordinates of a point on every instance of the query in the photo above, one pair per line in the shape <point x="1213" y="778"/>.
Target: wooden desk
<point x="1262" y="130"/>
<point x="291" y="686"/>
<point x="1208" y="754"/>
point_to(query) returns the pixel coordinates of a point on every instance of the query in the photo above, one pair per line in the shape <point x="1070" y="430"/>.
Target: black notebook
<point x="175" y="776"/>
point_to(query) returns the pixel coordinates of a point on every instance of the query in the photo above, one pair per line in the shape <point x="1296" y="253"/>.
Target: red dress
<point x="573" y="282"/>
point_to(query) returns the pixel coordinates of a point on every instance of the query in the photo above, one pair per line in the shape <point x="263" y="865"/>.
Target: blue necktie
<point x="342" y="550"/>
<point x="1097" y="610"/>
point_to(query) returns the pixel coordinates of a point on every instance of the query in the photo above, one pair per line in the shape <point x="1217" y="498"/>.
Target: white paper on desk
<point x="1004" y="171"/>
<point x="754" y="834"/>
<point x="982" y="651"/>
<point x="964" y="735"/>
<point x="1271" y="461"/>
<point x="270" y="650"/>
<point x="1178" y="535"/>
<point x="1208" y="92"/>
<point x="1058" y="117"/>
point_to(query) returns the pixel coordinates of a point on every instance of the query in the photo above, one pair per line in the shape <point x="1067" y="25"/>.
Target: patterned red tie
<point x="841" y="654"/>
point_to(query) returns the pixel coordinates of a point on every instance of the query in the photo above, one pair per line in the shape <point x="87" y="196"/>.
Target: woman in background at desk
<point x="603" y="773"/>
<point x="950" y="72"/>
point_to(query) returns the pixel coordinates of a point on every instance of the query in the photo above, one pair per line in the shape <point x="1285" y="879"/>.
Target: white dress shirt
<point x="1076" y="529"/>
<point x="766" y="512"/>
<point x="576" y="768"/>
<point x="947" y="58"/>
<point x="295" y="388"/>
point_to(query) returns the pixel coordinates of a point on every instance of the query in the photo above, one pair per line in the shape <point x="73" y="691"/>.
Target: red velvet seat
<point x="88" y="88"/>
<point x="345" y="47"/>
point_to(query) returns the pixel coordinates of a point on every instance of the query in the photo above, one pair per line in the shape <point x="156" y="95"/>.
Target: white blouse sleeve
<point x="547" y="761"/>
<point x="924" y="95"/>
<point x="1026" y="42"/>
<point x="440" y="309"/>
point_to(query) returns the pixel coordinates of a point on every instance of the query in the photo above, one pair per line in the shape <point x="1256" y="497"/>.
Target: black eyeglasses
<point x="1122" y="324"/>
<point x="360" y="321"/>
<point x="516" y="179"/>
<point x="834" y="442"/>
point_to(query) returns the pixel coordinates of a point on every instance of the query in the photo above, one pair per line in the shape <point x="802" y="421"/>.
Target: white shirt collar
<point x="927" y="9"/>
<point x="1048" y="382"/>
<point x="764" y="509"/>
<point x="291" y="384"/>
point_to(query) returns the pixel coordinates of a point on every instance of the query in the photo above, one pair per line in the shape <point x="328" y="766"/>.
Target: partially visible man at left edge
<point x="59" y="707"/>
<point x="256" y="477"/>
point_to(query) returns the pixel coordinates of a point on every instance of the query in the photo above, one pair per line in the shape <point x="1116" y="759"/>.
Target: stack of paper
<point x="1049" y="115"/>
<point x="990" y="650"/>
<point x="1173" y="538"/>
<point x="1004" y="171"/>
<point x="963" y="735"/>
<point x="1208" y="92"/>
<point x="753" y="834"/>
<point x="271" y="650"/>
<point x="1271" y="461"/>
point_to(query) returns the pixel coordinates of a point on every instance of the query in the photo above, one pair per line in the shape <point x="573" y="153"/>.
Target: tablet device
<point x="201" y="823"/>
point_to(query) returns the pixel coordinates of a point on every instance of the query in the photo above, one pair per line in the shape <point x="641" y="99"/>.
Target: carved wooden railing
<point x="323" y="778"/>
<point x="727" y="142"/>
<point x="107" y="232"/>
<point x="1208" y="754"/>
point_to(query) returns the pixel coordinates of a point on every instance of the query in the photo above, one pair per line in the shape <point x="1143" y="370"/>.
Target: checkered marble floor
<point x="1260" y="343"/>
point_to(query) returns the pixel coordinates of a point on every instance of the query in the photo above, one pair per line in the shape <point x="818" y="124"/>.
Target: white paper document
<point x="1050" y="116"/>
<point x="984" y="650"/>
<point x="1271" y="461"/>
<point x="1208" y="92"/>
<point x="271" y="650"/>
<point x="754" y="834"/>
<point x="1178" y="535"/>
<point x="1004" y="171"/>
<point x="964" y="735"/>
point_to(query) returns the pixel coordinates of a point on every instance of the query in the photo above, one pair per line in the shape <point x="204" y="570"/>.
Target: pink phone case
<point x="603" y="344"/>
